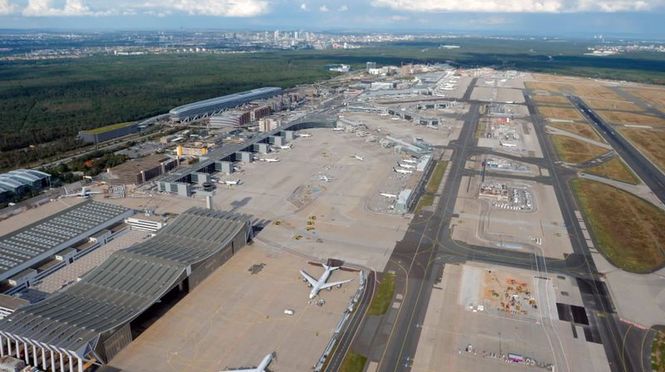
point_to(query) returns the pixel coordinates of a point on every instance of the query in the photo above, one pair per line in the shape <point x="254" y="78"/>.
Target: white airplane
<point x="358" y="157"/>
<point x="84" y="193"/>
<point x="402" y="171"/>
<point x="410" y="161"/>
<point x="389" y="196"/>
<point x="283" y="147"/>
<point x="230" y="182"/>
<point x="304" y="135"/>
<point x="325" y="178"/>
<point x="338" y="129"/>
<point x="318" y="285"/>
<point x="270" y="160"/>
<point x="406" y="166"/>
<point x="260" y="368"/>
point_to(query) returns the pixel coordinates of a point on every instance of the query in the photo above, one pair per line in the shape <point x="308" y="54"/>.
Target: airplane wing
<point x="328" y="285"/>
<point x="308" y="277"/>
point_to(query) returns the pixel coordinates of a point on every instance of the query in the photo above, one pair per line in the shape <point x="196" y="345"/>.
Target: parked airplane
<point x="325" y="178"/>
<point x="270" y="160"/>
<point x="84" y="193"/>
<point x="406" y="166"/>
<point x="304" y="135"/>
<point x="338" y="129"/>
<point x="260" y="368"/>
<point x="284" y="147"/>
<point x="389" y="196"/>
<point x="402" y="171"/>
<point x="410" y="161"/>
<point x="318" y="285"/>
<point x="358" y="157"/>
<point x="230" y="182"/>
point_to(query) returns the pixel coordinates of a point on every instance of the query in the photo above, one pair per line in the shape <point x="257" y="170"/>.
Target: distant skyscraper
<point x="276" y="35"/>
<point x="371" y="65"/>
<point x="295" y="35"/>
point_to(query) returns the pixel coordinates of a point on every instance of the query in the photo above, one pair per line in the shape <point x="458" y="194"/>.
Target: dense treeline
<point x="90" y="165"/>
<point x="17" y="158"/>
<point x="48" y="102"/>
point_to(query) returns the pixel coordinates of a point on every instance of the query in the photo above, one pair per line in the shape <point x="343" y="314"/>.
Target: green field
<point x="614" y="169"/>
<point x="353" y="362"/>
<point x="383" y="296"/>
<point x="658" y="352"/>
<point x="427" y="198"/>
<point x="436" y="178"/>
<point x="627" y="230"/>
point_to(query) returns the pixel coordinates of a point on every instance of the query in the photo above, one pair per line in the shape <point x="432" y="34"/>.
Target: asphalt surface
<point x="644" y="168"/>
<point x="418" y="261"/>
<point x="344" y="343"/>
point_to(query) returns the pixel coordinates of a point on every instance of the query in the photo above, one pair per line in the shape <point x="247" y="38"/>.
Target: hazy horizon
<point x="581" y="18"/>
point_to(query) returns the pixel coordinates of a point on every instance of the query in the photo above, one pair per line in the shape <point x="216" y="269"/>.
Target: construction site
<point x="483" y="317"/>
<point x="510" y="136"/>
<point x="510" y="214"/>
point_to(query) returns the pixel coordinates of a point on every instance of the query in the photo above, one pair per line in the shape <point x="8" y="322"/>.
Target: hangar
<point x="42" y="240"/>
<point x="92" y="320"/>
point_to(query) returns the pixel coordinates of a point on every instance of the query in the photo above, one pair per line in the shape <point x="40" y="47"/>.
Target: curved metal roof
<point x="236" y="99"/>
<point x="126" y="284"/>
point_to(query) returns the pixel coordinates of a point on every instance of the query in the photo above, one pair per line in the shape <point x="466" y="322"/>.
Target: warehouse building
<point x="95" y="318"/>
<point x="141" y="170"/>
<point x="203" y="109"/>
<point x="108" y="132"/>
<point x="21" y="181"/>
<point x="24" y="251"/>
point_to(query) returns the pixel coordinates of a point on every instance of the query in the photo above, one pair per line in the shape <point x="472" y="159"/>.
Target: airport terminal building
<point x="209" y="107"/>
<point x="88" y="323"/>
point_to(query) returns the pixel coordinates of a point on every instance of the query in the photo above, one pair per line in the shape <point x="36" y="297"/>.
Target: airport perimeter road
<point x="349" y="334"/>
<point x="595" y="297"/>
<point x="418" y="261"/>
<point x="644" y="168"/>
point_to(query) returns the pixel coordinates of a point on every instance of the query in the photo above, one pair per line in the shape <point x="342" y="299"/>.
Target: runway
<point x="418" y="260"/>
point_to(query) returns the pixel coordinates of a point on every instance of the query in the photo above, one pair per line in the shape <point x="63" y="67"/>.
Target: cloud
<point x="6" y="7"/>
<point x="518" y="6"/>
<point x="303" y="6"/>
<point x="159" y="8"/>
<point x="224" y="8"/>
<point x="323" y="8"/>
<point x="343" y="8"/>
<point x="399" y="18"/>
<point x="44" y="8"/>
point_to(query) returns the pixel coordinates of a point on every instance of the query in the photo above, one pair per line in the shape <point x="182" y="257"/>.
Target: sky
<point x="536" y="17"/>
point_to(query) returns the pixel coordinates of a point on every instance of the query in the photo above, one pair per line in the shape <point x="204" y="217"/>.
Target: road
<point x="645" y="169"/>
<point x="344" y="343"/>
<point x="418" y="261"/>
